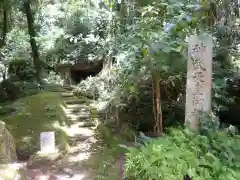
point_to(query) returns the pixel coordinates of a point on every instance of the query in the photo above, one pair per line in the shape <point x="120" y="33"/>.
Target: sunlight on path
<point x="70" y="166"/>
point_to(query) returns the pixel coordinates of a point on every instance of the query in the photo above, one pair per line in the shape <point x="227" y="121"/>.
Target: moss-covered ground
<point x="27" y="117"/>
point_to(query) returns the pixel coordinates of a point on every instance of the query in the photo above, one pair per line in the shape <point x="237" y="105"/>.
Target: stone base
<point x="41" y="158"/>
<point x="41" y="153"/>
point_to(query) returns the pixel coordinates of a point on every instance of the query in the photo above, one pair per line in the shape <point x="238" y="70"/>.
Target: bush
<point x="12" y="90"/>
<point x="6" y="110"/>
<point x="21" y="70"/>
<point x="9" y="91"/>
<point x="89" y="88"/>
<point x="27" y="88"/>
<point x="181" y="153"/>
<point x="3" y="95"/>
<point x="54" y="78"/>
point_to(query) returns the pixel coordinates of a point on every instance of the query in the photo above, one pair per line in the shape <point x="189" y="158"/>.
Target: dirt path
<point x="80" y="131"/>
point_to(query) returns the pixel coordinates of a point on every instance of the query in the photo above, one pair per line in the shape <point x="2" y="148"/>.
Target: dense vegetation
<point x="143" y="46"/>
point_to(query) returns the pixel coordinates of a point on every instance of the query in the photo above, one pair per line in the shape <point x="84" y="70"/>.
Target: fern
<point x="183" y="152"/>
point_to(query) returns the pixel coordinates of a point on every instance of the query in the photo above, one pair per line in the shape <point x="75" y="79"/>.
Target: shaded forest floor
<point x="86" y="151"/>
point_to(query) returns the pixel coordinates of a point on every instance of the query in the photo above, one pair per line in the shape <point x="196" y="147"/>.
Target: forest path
<point x="81" y="137"/>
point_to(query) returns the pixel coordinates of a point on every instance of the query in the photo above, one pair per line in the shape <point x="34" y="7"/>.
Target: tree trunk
<point x="5" y="28"/>
<point x="158" y="128"/>
<point x="3" y="41"/>
<point x="32" y="34"/>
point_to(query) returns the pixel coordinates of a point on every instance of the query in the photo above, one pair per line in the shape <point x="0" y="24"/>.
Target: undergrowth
<point x="181" y="153"/>
<point x="107" y="153"/>
<point x="30" y="116"/>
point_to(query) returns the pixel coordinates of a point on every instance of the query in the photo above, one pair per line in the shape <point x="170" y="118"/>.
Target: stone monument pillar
<point x="199" y="79"/>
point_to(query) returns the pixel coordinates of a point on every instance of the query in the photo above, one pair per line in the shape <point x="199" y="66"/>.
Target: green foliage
<point x="88" y="88"/>
<point x="72" y="32"/>
<point x="34" y="114"/>
<point x="6" y="110"/>
<point x="182" y="152"/>
<point x="3" y="95"/>
<point x="107" y="154"/>
<point x="27" y="88"/>
<point x="21" y="70"/>
<point x="145" y="38"/>
<point x="154" y="44"/>
<point x="154" y="40"/>
<point x="17" y="45"/>
<point x="10" y="91"/>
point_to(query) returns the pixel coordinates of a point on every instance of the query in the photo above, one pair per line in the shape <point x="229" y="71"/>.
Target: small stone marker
<point x="47" y="142"/>
<point x="199" y="79"/>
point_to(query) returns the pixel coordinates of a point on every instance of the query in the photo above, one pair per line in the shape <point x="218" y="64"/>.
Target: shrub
<point x="27" y="88"/>
<point x="9" y="90"/>
<point x="21" y="70"/>
<point x="6" y="110"/>
<point x="54" y="78"/>
<point x="3" y="95"/>
<point x="89" y="88"/>
<point x="183" y="152"/>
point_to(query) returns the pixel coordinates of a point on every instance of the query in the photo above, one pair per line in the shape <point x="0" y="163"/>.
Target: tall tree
<point x="5" y="11"/>
<point x="5" y="24"/>
<point x="5" y="6"/>
<point x="32" y="34"/>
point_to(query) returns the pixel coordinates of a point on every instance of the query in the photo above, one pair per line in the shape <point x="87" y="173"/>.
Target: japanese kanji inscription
<point x="199" y="79"/>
